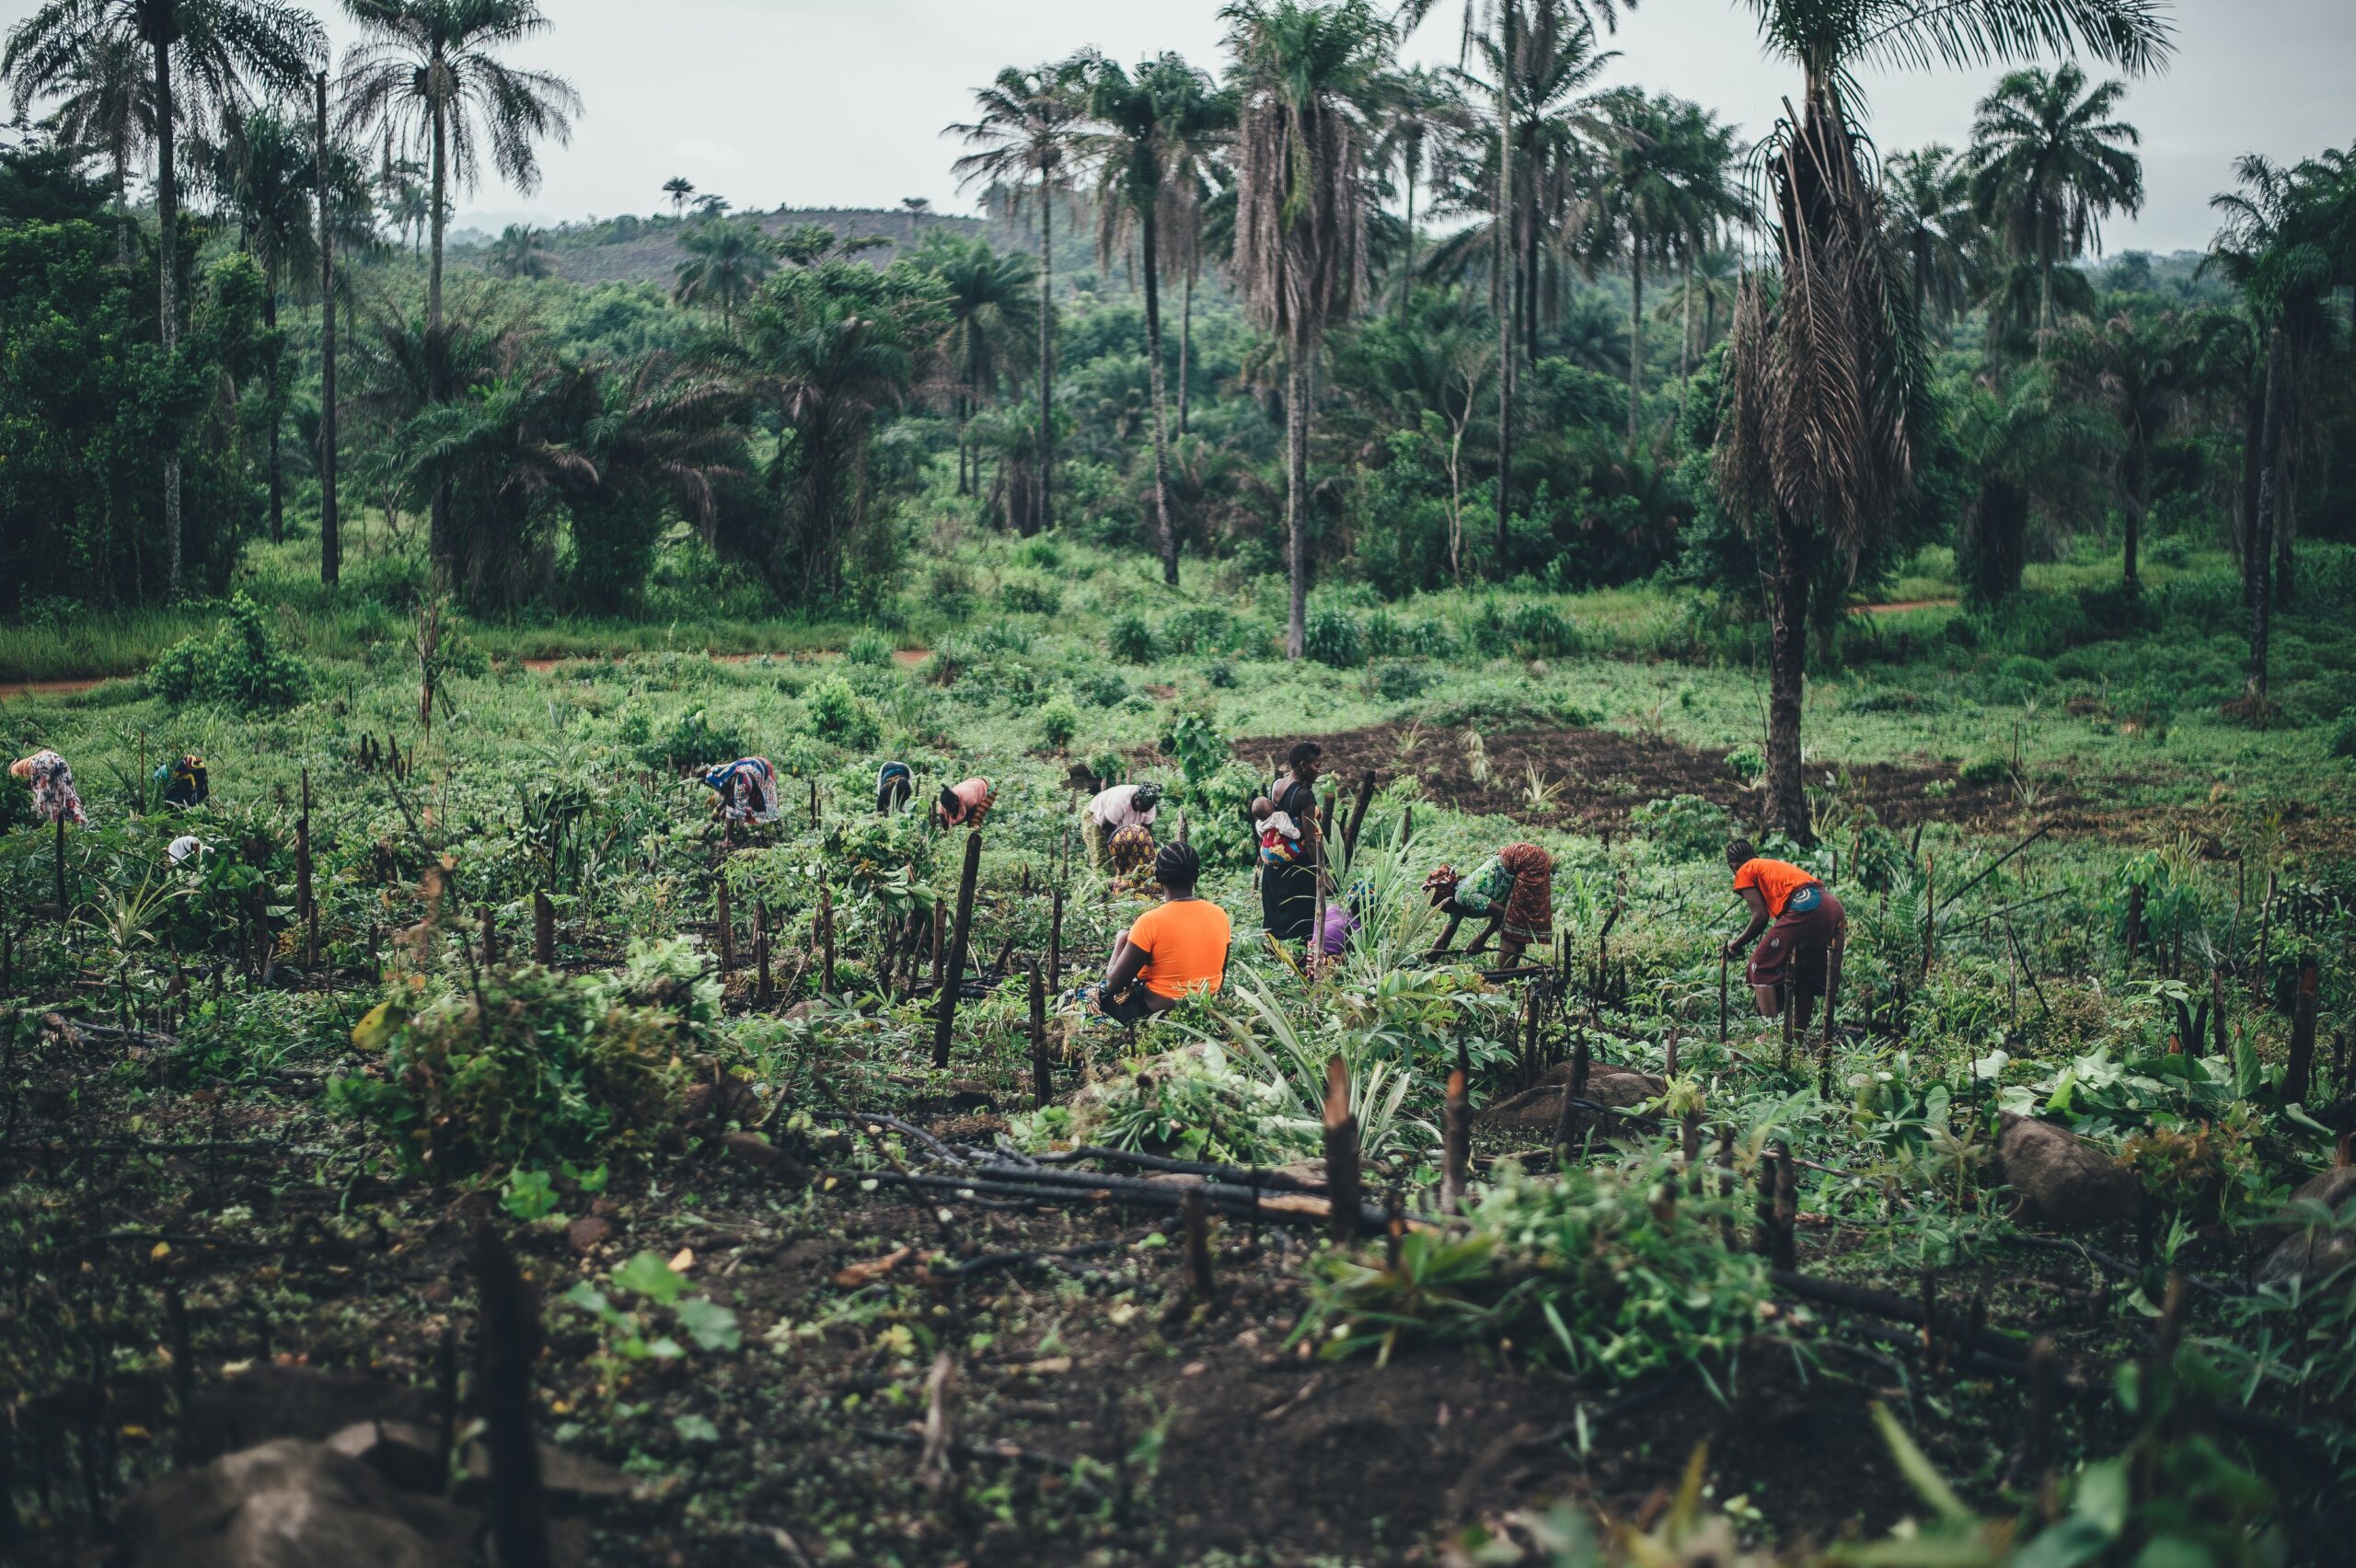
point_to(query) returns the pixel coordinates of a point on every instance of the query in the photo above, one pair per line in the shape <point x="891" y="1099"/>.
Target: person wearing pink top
<point x="965" y="805"/>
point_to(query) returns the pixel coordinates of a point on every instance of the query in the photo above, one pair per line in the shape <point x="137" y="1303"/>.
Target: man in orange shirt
<point x="1176" y="948"/>
<point x="1808" y="931"/>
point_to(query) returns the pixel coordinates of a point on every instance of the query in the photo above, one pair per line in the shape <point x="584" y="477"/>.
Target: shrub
<point x="1539" y="632"/>
<point x="533" y="1067"/>
<point x="950" y="661"/>
<point x="1110" y="766"/>
<point x="950" y="587"/>
<point x="238" y="664"/>
<point x="1220" y="674"/>
<point x="1335" y="636"/>
<point x="2343" y="736"/>
<point x="1399" y="683"/>
<point x="1746" y="763"/>
<point x="842" y="715"/>
<point x="1100" y="687"/>
<point x="1130" y="638"/>
<point x="1685" y="826"/>
<point x="15" y="804"/>
<point x="691" y="739"/>
<point x="1003" y="637"/>
<point x="870" y="647"/>
<point x="1058" y="722"/>
<point x="1983" y="770"/>
<point x="1042" y="553"/>
<point x="1030" y="596"/>
<point x="1200" y="628"/>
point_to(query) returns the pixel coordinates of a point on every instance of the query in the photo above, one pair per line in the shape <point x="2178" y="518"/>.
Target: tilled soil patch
<point x="1592" y="780"/>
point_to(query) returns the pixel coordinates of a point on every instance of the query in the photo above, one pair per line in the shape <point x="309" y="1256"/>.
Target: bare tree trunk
<point x="2286" y="451"/>
<point x="2261" y="618"/>
<point x="1297" y="496"/>
<point x="1786" y="674"/>
<point x="1502" y="284"/>
<point x="2253" y="467"/>
<point x="331" y="536"/>
<point x="1685" y="331"/>
<point x="1047" y="367"/>
<point x="1152" y="266"/>
<point x="1408" y="269"/>
<point x="167" y="220"/>
<point x="2137" y="470"/>
<point x="1186" y="345"/>
<point x="276" y="377"/>
<point x="441" y="547"/>
<point x="1635" y="330"/>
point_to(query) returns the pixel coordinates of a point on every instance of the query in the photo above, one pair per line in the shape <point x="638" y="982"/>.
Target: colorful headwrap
<point x="747" y="790"/>
<point x="53" y="785"/>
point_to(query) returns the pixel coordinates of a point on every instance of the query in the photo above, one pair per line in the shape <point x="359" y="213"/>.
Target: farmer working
<point x="895" y="781"/>
<point x="1176" y="948"/>
<point x="51" y="782"/>
<point x="964" y="804"/>
<point x="187" y="784"/>
<point x="1109" y="812"/>
<point x="1513" y="889"/>
<point x="1808" y="932"/>
<point x="1289" y="889"/>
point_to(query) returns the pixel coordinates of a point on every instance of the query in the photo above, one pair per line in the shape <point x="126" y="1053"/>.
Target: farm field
<point x="254" y="1152"/>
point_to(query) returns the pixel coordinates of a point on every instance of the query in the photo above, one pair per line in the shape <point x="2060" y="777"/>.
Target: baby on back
<point x="1279" y="834"/>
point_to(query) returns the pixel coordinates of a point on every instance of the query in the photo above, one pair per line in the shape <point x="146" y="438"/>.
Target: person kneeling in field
<point x="1177" y="948"/>
<point x="1804" y="941"/>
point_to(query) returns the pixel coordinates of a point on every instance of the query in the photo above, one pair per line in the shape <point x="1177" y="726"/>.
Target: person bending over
<point x="894" y="783"/>
<point x="1175" y="948"/>
<point x="1113" y="810"/>
<point x="1807" y="929"/>
<point x="965" y="804"/>
<point x="1513" y="891"/>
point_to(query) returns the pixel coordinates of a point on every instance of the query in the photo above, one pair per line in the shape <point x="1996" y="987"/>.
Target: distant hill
<point x="632" y="249"/>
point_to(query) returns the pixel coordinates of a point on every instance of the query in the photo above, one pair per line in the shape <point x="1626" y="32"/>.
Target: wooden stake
<point x="1341" y="1152"/>
<point x="543" y="930"/>
<point x="1786" y="1252"/>
<point x="1832" y="999"/>
<point x="826" y="938"/>
<point x="2265" y="929"/>
<point x="2134" y="924"/>
<point x="955" y="978"/>
<point x="1196" y="1216"/>
<point x="1406" y="826"/>
<point x="725" y="919"/>
<point x="1669" y="1053"/>
<point x="1456" y="1136"/>
<point x="1056" y="939"/>
<point x="61" y="871"/>
<point x="1043" y="1075"/>
<point x="509" y="1341"/>
<point x="1929" y="910"/>
<point x="2298" y="1069"/>
<point x="1791" y="1015"/>
<point x="1722" y="998"/>
<point x="489" y="937"/>
<point x="764" y="995"/>
<point x="1357" y="817"/>
<point x="939" y="947"/>
<point x="2217" y="1013"/>
<point x="2037" y="1444"/>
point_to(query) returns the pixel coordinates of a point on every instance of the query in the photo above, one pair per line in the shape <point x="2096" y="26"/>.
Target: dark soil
<point x="1600" y="777"/>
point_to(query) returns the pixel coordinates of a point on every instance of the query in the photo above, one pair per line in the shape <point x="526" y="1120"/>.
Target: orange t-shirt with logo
<point x="1775" y="880"/>
<point x="1185" y="942"/>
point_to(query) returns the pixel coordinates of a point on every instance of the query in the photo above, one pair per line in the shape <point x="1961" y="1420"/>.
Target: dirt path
<point x="1907" y="604"/>
<point x="11" y="690"/>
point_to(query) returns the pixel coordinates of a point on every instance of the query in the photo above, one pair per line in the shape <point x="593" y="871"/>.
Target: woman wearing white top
<point x="1123" y="805"/>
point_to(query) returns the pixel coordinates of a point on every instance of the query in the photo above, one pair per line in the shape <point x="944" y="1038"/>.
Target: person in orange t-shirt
<point x="1805" y="928"/>
<point x="1175" y="948"/>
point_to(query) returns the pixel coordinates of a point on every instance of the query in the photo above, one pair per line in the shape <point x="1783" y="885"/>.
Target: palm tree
<point x="2048" y="165"/>
<point x="1309" y="76"/>
<point x="1827" y="398"/>
<point x="2144" y="373"/>
<point x="1024" y="132"/>
<point x="679" y="188"/>
<point x="106" y="98"/>
<point x="430" y="73"/>
<point x="1420" y="108"/>
<point x="520" y="251"/>
<point x="727" y="259"/>
<point x="984" y="343"/>
<point x="663" y="440"/>
<point x="1928" y="198"/>
<point x="215" y="46"/>
<point x="2025" y="446"/>
<point x="1142" y="130"/>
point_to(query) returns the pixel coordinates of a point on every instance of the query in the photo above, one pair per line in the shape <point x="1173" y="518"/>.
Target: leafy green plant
<point x="840" y="715"/>
<point x="1194" y="740"/>
<point x="1685" y="827"/>
<point x="238" y="664"/>
<point x="1058" y="722"/>
<point x="1131" y="639"/>
<point x="692" y="740"/>
<point x="653" y="1293"/>
<point x="868" y="648"/>
<point x="1335" y="636"/>
<point x="1030" y="596"/>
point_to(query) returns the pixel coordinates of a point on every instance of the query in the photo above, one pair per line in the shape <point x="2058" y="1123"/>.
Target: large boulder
<point x="2060" y="1179"/>
<point x="290" y="1503"/>
<point x="2312" y="1254"/>
<point x="1536" y="1109"/>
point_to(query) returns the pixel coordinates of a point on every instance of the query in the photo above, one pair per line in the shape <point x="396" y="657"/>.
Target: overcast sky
<point x="841" y="102"/>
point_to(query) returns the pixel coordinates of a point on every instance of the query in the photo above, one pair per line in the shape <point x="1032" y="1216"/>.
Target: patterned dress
<point x="747" y="788"/>
<point x="1520" y="879"/>
<point x="53" y="787"/>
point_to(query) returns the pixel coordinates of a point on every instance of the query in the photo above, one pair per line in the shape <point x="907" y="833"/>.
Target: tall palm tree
<point x="679" y="188"/>
<point x="1310" y="76"/>
<point x="430" y="72"/>
<point x="727" y="258"/>
<point x="1143" y="127"/>
<point x="1710" y="202"/>
<point x="984" y="343"/>
<point x="1826" y="398"/>
<point x="1928" y="197"/>
<point x="106" y="98"/>
<point x="2026" y="445"/>
<point x="205" y="56"/>
<point x="1024" y="134"/>
<point x="1421" y="108"/>
<point x="2144" y="373"/>
<point x="2048" y="162"/>
<point x="520" y="251"/>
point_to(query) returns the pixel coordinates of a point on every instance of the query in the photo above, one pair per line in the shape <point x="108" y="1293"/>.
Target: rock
<point x="588" y="1233"/>
<point x="2062" y="1179"/>
<point x="289" y="1504"/>
<point x="400" y="1452"/>
<point x="762" y="1155"/>
<point x="1535" y="1109"/>
<point x="271" y="1402"/>
<point x="568" y="1479"/>
<point x="2313" y="1255"/>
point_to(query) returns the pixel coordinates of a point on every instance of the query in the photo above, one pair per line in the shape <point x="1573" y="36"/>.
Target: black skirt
<point x="1288" y="900"/>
